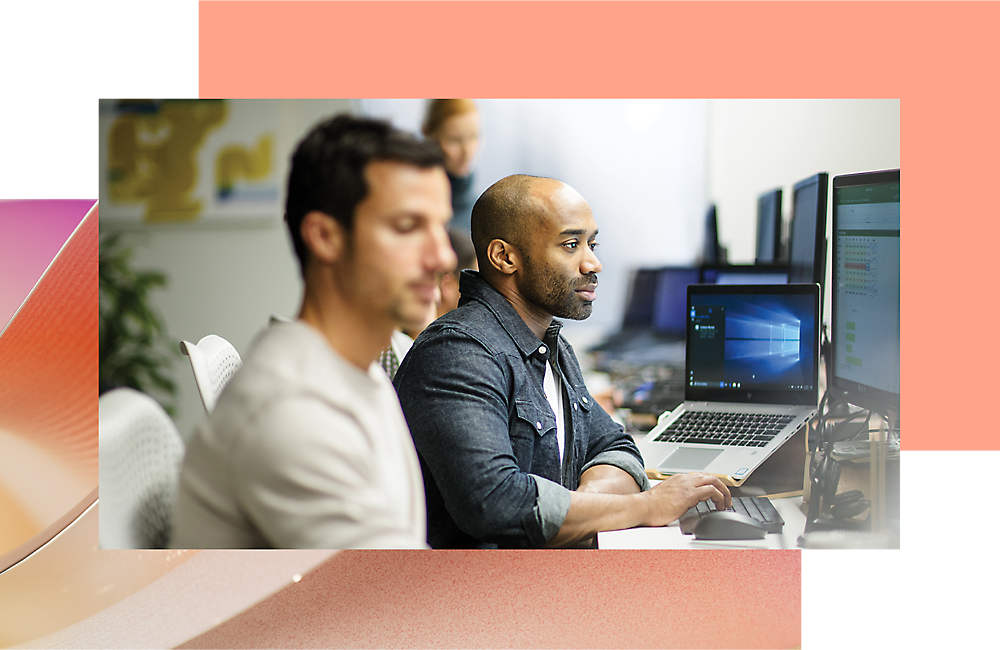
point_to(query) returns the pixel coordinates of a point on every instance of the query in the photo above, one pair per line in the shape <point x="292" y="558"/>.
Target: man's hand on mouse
<point x="674" y="495"/>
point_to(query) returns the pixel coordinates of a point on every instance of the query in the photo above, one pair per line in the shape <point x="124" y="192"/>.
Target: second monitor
<point x="769" y="227"/>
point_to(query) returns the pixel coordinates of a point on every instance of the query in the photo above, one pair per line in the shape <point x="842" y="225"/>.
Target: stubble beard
<point x="555" y="293"/>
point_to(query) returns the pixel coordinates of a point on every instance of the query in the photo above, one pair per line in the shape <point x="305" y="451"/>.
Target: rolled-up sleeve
<point x="452" y="388"/>
<point x="608" y="444"/>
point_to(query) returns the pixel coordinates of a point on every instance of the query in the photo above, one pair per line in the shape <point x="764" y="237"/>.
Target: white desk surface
<point x="671" y="537"/>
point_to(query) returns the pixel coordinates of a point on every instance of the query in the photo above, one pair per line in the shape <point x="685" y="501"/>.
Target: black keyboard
<point x="759" y="508"/>
<point x="732" y="429"/>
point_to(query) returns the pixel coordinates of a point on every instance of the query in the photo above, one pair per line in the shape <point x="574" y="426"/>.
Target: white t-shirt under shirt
<point x="552" y="388"/>
<point x="303" y="450"/>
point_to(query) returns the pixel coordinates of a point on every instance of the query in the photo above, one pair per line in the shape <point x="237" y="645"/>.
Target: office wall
<point x="757" y="145"/>
<point x="227" y="280"/>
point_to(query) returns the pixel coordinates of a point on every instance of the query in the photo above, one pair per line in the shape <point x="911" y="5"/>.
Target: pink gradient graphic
<point x="31" y="234"/>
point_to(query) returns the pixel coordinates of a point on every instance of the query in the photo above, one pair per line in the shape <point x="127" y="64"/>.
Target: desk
<point x="671" y="537"/>
<point x="791" y="509"/>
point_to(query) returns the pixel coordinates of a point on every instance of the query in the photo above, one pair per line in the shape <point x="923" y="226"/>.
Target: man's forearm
<point x="607" y="479"/>
<point x="590" y="513"/>
<point x="587" y="519"/>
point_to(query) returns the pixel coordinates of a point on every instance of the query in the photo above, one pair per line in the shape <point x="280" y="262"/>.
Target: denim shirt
<point x="471" y="391"/>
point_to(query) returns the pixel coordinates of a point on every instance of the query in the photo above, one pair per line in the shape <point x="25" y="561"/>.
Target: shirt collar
<point x="473" y="287"/>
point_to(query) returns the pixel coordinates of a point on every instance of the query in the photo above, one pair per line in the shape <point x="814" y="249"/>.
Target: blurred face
<point x="399" y="246"/>
<point x="450" y="293"/>
<point x="559" y="274"/>
<point x="459" y="139"/>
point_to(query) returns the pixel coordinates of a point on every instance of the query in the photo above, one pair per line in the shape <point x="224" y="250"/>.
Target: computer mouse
<point x="727" y="524"/>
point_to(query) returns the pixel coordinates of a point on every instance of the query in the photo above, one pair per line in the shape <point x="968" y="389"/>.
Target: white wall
<point x="648" y="168"/>
<point x="758" y="145"/>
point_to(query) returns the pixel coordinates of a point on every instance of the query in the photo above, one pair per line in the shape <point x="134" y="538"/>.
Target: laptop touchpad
<point x="690" y="458"/>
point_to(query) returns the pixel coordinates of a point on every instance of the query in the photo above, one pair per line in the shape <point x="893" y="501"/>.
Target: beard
<point x="556" y="293"/>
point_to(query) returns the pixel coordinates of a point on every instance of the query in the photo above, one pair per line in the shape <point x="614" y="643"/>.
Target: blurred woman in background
<point x="454" y="125"/>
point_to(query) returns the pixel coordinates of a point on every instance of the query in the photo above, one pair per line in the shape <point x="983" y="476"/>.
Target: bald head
<point x="511" y="209"/>
<point x="535" y="239"/>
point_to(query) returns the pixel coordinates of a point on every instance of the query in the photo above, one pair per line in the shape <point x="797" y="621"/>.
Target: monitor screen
<point x="807" y="232"/>
<point x="761" y="339"/>
<point x="670" y="302"/>
<point x="769" y="227"/>
<point x="639" y="303"/>
<point x="865" y="319"/>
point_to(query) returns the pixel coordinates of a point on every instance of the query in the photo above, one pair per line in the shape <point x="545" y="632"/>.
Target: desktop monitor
<point x="769" y="227"/>
<point x="865" y="296"/>
<point x="670" y="301"/>
<point x="807" y="232"/>
<point x="639" y="303"/>
<point x="711" y="249"/>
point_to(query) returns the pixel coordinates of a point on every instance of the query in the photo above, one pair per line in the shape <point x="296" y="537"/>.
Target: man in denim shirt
<point x="514" y="450"/>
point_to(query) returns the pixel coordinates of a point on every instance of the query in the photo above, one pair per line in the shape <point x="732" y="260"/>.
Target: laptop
<point x="751" y="380"/>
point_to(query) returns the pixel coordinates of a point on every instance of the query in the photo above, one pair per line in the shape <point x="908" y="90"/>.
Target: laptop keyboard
<point x="730" y="429"/>
<point x="759" y="508"/>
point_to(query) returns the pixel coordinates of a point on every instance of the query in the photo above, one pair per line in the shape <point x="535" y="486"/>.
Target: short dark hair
<point x="328" y="169"/>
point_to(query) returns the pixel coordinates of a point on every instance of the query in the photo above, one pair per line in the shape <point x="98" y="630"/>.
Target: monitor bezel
<point x="820" y="243"/>
<point x="853" y="391"/>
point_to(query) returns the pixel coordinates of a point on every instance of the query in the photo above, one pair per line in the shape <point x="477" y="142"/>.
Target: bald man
<point x="514" y="451"/>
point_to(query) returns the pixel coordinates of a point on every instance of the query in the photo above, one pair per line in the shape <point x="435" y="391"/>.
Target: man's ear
<point x="503" y="256"/>
<point x="323" y="236"/>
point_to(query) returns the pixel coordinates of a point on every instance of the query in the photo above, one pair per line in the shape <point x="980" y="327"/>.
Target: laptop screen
<point x="753" y="343"/>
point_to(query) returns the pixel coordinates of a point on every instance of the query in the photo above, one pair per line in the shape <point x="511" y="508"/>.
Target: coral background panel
<point x="31" y="233"/>
<point x="529" y="599"/>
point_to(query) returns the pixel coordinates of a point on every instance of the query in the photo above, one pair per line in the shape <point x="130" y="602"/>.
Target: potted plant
<point x="134" y="348"/>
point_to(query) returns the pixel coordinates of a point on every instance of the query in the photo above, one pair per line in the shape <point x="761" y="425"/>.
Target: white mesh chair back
<point x="214" y="362"/>
<point x="140" y="454"/>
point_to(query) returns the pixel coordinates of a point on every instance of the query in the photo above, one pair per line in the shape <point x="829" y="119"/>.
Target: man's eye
<point x="571" y="245"/>
<point x="406" y="225"/>
<point x="593" y="245"/>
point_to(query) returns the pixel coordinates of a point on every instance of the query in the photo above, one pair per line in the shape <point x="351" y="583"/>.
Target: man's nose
<point x="441" y="256"/>
<point x="590" y="263"/>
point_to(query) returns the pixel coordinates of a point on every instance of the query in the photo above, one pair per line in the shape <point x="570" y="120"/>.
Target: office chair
<point x="140" y="454"/>
<point x="214" y="362"/>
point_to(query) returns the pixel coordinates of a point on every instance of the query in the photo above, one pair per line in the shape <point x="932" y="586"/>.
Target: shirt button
<point x="584" y="399"/>
<point x="575" y="406"/>
<point x="541" y="350"/>
<point x="539" y="425"/>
